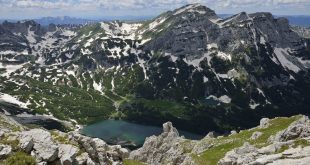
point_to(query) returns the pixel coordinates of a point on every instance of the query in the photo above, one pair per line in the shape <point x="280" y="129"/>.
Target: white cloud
<point x="138" y="7"/>
<point x="138" y="4"/>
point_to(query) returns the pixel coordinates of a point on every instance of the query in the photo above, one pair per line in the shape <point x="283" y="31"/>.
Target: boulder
<point x="233" y="132"/>
<point x="256" y="135"/>
<point x="26" y="143"/>
<point x="298" y="129"/>
<point x="5" y="150"/>
<point x="67" y="154"/>
<point x="242" y="155"/>
<point x="82" y="159"/>
<point x="44" y="147"/>
<point x="124" y="153"/>
<point x="2" y="133"/>
<point x="210" y="135"/>
<point x="264" y="123"/>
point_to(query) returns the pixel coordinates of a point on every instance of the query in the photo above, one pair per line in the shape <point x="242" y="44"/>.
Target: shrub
<point x="20" y="158"/>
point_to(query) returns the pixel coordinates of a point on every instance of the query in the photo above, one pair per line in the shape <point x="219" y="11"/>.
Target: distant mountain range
<point x="78" y="21"/>
<point x="299" y="20"/>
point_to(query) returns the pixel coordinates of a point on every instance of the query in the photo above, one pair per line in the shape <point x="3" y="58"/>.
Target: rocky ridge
<point x="55" y="147"/>
<point x="274" y="141"/>
<point x="290" y="145"/>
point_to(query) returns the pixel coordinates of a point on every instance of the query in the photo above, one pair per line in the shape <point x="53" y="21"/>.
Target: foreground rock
<point x="55" y="147"/>
<point x="269" y="143"/>
<point x="290" y="146"/>
<point x="163" y="149"/>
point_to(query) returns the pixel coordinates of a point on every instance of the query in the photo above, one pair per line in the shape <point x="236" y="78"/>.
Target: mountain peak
<point x="195" y="8"/>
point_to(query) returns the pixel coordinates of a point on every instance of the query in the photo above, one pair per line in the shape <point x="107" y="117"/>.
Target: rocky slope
<point x="274" y="141"/>
<point x="302" y="31"/>
<point x="188" y="66"/>
<point x="21" y="145"/>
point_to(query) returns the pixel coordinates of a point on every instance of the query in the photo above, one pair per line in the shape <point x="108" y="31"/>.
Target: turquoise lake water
<point x="121" y="132"/>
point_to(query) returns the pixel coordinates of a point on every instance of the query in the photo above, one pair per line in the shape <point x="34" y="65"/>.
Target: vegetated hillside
<point x="187" y="66"/>
<point x="274" y="141"/>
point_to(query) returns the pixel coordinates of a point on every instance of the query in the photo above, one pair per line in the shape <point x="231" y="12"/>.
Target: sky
<point x="99" y="9"/>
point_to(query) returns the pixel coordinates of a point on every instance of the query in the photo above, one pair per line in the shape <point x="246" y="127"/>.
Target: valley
<point x="201" y="72"/>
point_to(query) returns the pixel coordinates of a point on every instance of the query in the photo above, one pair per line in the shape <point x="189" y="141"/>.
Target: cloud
<point x="139" y="4"/>
<point x="140" y="7"/>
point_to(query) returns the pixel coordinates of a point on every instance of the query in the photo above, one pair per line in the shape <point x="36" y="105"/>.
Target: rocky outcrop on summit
<point x="191" y="28"/>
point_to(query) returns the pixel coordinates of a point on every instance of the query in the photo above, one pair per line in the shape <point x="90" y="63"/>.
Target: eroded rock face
<point x="44" y="146"/>
<point x="300" y="128"/>
<point x="97" y="151"/>
<point x="67" y="153"/>
<point x="163" y="149"/>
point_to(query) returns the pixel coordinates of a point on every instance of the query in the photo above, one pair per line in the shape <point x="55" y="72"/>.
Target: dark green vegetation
<point x="99" y="75"/>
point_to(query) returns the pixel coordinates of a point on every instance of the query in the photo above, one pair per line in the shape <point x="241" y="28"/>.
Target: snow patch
<point x="13" y="100"/>
<point x="282" y="56"/>
<point x="224" y="99"/>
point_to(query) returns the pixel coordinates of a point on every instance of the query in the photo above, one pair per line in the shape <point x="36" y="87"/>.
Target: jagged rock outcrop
<point x="299" y="129"/>
<point x="167" y="148"/>
<point x="67" y="154"/>
<point x="57" y="147"/>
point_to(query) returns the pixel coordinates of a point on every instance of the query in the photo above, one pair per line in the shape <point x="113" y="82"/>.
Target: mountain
<point x="64" y="20"/>
<point x="302" y="31"/>
<point x="188" y="66"/>
<point x="298" y="20"/>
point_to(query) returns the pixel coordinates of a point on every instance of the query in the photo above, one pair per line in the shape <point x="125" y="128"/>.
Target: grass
<point x="301" y="142"/>
<point x="225" y="144"/>
<point x="5" y="124"/>
<point x="13" y="143"/>
<point x="132" y="162"/>
<point x="61" y="139"/>
<point x="19" y="158"/>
